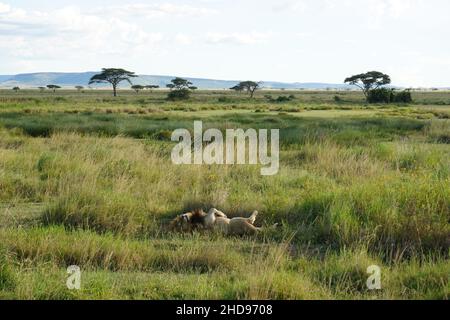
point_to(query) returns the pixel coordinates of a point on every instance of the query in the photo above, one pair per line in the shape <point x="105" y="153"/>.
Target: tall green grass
<point x="97" y="189"/>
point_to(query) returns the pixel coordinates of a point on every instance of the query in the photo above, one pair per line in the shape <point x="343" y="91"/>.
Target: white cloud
<point x="183" y="39"/>
<point x="291" y="5"/>
<point x="69" y="32"/>
<point x="4" y="8"/>
<point x="151" y="35"/>
<point x="155" y="10"/>
<point x="379" y="11"/>
<point x="304" y="34"/>
<point x="237" y="38"/>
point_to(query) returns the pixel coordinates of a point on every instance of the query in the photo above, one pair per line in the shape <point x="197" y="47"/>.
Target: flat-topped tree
<point x="249" y="86"/>
<point x="369" y="81"/>
<point x="16" y="89"/>
<point x="180" y="89"/>
<point x="137" y="88"/>
<point x="41" y="89"/>
<point x="79" y="88"/>
<point x="151" y="87"/>
<point x="179" y="83"/>
<point x="53" y="87"/>
<point x="237" y="88"/>
<point x="113" y="76"/>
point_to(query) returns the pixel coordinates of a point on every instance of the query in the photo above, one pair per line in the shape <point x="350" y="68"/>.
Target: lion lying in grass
<point x="215" y="220"/>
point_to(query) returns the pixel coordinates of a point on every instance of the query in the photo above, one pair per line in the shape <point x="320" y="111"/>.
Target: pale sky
<point x="284" y="40"/>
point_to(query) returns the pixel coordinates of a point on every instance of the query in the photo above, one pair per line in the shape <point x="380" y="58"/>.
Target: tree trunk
<point x="114" y="90"/>
<point x="366" y="95"/>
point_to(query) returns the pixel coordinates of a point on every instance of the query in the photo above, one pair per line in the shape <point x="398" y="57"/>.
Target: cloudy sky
<point x="284" y="40"/>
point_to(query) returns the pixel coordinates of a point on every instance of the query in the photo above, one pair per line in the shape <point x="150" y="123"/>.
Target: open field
<point x="87" y="179"/>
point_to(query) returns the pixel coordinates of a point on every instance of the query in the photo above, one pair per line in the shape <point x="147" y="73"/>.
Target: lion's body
<point x="215" y="220"/>
<point x="236" y="226"/>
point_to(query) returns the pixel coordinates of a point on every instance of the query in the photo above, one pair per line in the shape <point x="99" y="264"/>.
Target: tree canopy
<point x="137" y="88"/>
<point x="238" y="88"/>
<point x="369" y="81"/>
<point x="151" y="86"/>
<point x="179" y="83"/>
<point x="180" y="89"/>
<point x="53" y="87"/>
<point x="249" y="86"/>
<point x="113" y="76"/>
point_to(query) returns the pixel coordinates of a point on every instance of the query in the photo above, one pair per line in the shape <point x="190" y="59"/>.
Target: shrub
<point x="225" y="99"/>
<point x="380" y="95"/>
<point x="182" y="94"/>
<point x="279" y="99"/>
<point x="403" y="97"/>
<point x="283" y="99"/>
<point x="384" y="95"/>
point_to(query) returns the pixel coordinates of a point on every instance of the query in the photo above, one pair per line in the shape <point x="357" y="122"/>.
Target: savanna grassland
<point x="86" y="179"/>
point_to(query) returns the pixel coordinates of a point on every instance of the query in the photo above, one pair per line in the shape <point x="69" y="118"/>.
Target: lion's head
<point x="188" y="222"/>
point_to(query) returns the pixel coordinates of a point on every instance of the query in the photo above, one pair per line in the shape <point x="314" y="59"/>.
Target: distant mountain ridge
<point x="71" y="79"/>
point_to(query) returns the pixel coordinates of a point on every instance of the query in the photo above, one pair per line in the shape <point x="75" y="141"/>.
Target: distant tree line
<point x="373" y="85"/>
<point x="180" y="89"/>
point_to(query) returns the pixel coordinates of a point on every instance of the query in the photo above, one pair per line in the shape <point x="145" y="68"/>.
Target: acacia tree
<point x="137" y="88"/>
<point x="151" y="87"/>
<point x="53" y="87"/>
<point x="249" y="86"/>
<point x="179" y="83"/>
<point x="368" y="81"/>
<point x="113" y="76"/>
<point x="16" y="89"/>
<point x="41" y="89"/>
<point x="237" y="88"/>
<point x="79" y="88"/>
<point x="180" y="89"/>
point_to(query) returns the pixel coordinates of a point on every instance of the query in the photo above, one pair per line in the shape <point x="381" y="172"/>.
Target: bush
<point x="182" y="94"/>
<point x="283" y="99"/>
<point x="279" y="99"/>
<point x="337" y="99"/>
<point x="403" y="97"/>
<point x="225" y="100"/>
<point x="384" y="95"/>
<point x="380" y="95"/>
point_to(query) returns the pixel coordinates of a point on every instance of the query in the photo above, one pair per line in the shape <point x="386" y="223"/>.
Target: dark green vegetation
<point x="371" y="84"/>
<point x="113" y="76"/>
<point x="369" y="81"/>
<point x="86" y="179"/>
<point x="180" y="89"/>
<point x="384" y="95"/>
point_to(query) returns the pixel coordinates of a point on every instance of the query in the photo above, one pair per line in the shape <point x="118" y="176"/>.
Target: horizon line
<point x="213" y="78"/>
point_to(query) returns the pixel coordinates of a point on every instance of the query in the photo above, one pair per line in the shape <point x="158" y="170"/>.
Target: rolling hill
<point x="28" y="80"/>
